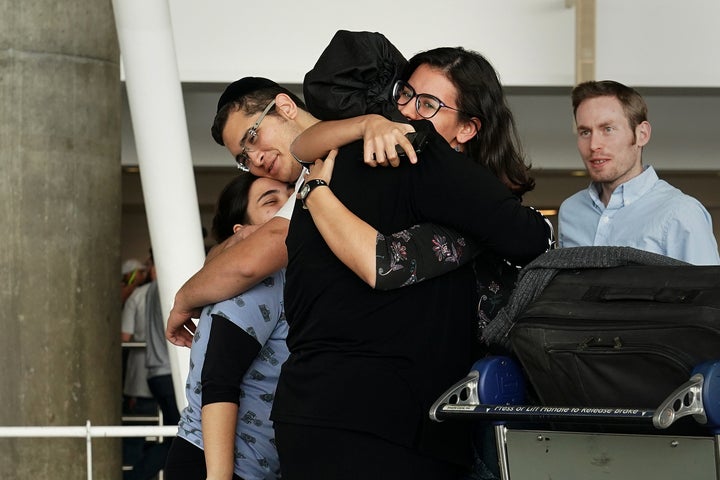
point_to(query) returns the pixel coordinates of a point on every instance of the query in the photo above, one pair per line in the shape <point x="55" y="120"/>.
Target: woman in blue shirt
<point x="235" y="359"/>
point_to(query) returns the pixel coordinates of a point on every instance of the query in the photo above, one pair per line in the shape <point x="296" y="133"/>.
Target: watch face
<point x="304" y="191"/>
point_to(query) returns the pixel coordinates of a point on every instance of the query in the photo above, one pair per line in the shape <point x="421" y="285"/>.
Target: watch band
<point x="309" y="186"/>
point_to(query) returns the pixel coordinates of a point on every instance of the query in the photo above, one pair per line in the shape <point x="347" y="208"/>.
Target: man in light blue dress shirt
<point x="627" y="204"/>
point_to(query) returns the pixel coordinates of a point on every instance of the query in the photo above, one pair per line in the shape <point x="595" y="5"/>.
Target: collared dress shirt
<point x="644" y="213"/>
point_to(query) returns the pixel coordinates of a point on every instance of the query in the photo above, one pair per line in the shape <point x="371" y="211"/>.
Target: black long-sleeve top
<point x="375" y="361"/>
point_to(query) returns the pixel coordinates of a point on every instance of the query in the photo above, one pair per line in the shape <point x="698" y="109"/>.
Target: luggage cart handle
<point x="685" y="400"/>
<point x="699" y="397"/>
<point x="493" y="391"/>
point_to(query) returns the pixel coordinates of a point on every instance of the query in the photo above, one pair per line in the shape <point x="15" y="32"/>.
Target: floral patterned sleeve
<point x="418" y="253"/>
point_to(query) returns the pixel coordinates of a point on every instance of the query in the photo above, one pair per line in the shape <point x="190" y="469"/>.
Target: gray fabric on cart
<point x="533" y="279"/>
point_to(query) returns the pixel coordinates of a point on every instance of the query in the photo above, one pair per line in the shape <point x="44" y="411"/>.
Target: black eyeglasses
<point x="427" y="105"/>
<point x="250" y="138"/>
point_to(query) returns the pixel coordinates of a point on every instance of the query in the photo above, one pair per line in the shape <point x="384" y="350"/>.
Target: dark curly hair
<point x="249" y="103"/>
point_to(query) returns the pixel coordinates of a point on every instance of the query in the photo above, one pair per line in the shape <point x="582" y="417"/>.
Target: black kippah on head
<point x="242" y="87"/>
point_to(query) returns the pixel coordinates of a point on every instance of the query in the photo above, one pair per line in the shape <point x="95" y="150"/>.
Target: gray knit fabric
<point x="157" y="358"/>
<point x="533" y="279"/>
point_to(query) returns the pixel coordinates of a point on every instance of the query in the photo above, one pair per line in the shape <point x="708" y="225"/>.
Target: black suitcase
<point x="620" y="336"/>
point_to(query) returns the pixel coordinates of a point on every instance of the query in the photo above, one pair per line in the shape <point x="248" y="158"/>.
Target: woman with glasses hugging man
<point x="366" y="365"/>
<point x="428" y="250"/>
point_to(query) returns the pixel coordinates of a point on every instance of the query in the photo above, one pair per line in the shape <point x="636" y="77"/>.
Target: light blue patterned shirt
<point x="644" y="213"/>
<point x="260" y="313"/>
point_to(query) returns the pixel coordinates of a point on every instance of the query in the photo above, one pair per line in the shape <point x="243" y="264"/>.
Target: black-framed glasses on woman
<point x="427" y="105"/>
<point x="250" y="138"/>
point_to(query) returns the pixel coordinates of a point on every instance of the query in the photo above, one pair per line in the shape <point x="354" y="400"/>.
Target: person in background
<point x="159" y="380"/>
<point x="626" y="204"/>
<point x="133" y="274"/>
<point x="137" y="397"/>
<point x="239" y="346"/>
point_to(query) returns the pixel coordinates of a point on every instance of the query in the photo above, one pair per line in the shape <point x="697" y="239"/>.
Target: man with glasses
<point x="256" y="121"/>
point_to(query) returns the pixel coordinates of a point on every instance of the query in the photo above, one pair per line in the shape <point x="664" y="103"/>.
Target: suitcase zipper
<point x="595" y="345"/>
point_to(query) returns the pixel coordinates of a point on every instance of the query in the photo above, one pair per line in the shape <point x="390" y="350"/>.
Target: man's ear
<point x="642" y="134"/>
<point x="468" y="130"/>
<point x="285" y="106"/>
<point x="237" y="227"/>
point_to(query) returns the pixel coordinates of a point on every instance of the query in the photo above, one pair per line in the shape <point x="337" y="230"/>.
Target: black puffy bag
<point x="354" y="76"/>
<point x="621" y="336"/>
<point x="609" y="326"/>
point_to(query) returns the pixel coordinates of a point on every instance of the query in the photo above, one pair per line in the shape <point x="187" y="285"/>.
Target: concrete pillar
<point x="60" y="205"/>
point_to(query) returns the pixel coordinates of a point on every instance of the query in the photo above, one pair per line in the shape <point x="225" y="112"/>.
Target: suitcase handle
<point x="619" y="294"/>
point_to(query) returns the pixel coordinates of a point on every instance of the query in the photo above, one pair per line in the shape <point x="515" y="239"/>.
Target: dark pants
<point x="486" y="465"/>
<point x="313" y="453"/>
<point x="164" y="393"/>
<point x="153" y="459"/>
<point x="185" y="461"/>
<point x="132" y="447"/>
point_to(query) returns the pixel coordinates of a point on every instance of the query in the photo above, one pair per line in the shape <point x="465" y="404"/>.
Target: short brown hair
<point x="250" y="97"/>
<point x="632" y="102"/>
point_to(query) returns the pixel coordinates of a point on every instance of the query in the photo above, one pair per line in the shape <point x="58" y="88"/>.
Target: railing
<point x="88" y="432"/>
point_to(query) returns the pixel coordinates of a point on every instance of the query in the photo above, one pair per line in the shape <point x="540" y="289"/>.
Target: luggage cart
<point x="545" y="442"/>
